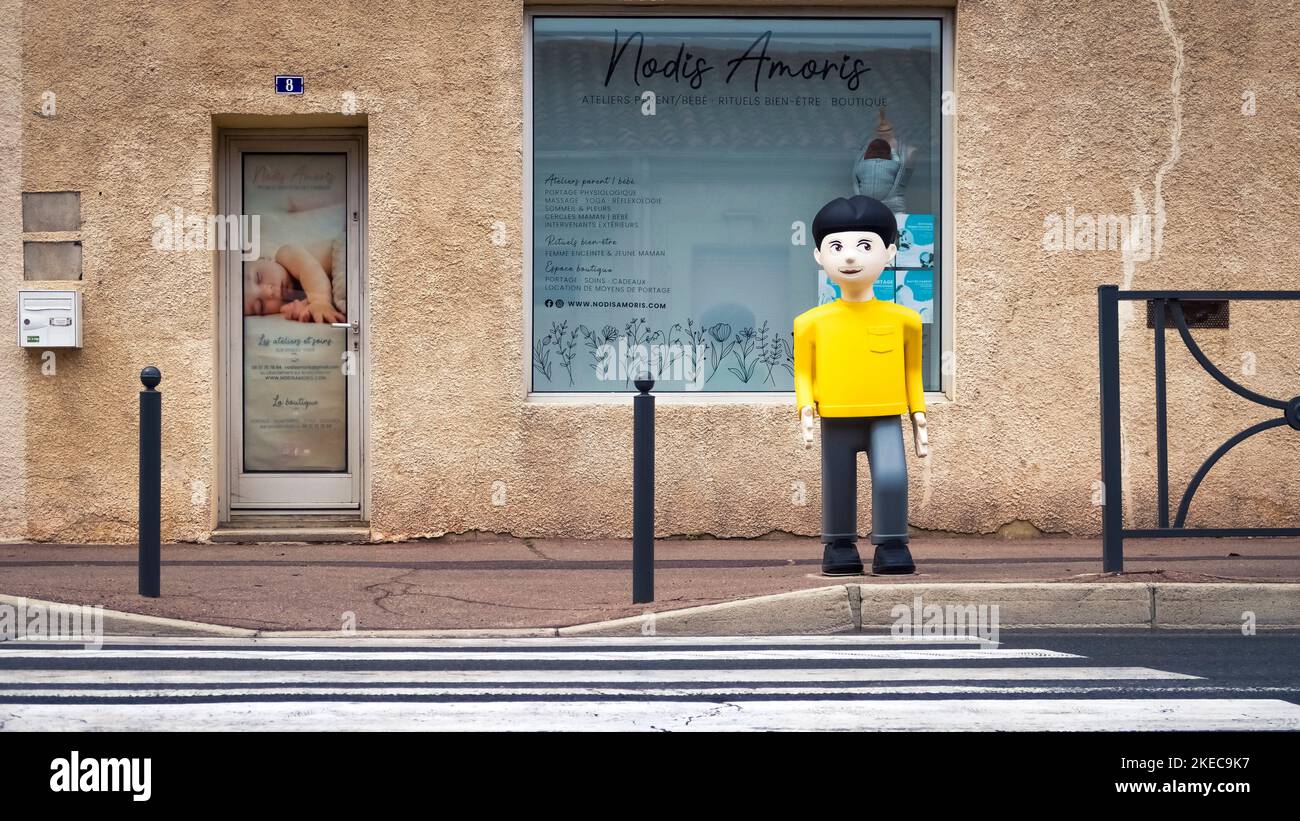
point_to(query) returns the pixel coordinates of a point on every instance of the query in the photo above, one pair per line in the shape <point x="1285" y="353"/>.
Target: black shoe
<point x="893" y="559"/>
<point x="841" y="559"/>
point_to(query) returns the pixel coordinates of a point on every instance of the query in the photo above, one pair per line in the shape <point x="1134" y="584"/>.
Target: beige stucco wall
<point x="13" y="407"/>
<point x="1060" y="104"/>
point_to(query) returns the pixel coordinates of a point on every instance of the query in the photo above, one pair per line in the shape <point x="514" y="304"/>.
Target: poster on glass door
<point x="294" y="380"/>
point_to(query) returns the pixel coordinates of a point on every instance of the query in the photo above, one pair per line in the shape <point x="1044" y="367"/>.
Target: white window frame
<point x="947" y="267"/>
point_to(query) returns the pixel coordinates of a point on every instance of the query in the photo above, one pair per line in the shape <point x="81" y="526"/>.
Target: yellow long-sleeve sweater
<point x="858" y="359"/>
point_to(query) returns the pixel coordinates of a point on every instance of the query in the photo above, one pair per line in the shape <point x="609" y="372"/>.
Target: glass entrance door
<point x="293" y="332"/>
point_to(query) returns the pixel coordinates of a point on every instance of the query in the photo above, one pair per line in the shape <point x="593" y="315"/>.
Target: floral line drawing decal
<point x="746" y="341"/>
<point x="753" y="355"/>
<point x="542" y="356"/>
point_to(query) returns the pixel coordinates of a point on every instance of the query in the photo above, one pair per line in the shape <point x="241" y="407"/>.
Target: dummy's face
<point x="266" y="286"/>
<point x="853" y="258"/>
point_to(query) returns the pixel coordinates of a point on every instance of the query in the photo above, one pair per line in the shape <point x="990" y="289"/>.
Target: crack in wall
<point x="1132" y="248"/>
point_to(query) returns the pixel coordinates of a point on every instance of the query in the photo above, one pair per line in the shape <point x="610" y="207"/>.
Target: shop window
<point x="676" y="164"/>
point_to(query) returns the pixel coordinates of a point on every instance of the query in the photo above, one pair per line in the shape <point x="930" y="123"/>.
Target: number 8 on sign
<point x="288" y="84"/>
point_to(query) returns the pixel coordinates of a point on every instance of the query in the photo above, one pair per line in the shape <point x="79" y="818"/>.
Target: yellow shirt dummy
<point x="858" y="359"/>
<point x="857" y="364"/>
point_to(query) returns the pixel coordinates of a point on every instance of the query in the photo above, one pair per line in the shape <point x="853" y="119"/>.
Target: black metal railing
<point x="1169" y="303"/>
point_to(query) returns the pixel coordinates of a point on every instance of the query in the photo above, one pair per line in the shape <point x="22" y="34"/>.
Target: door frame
<point x="225" y="365"/>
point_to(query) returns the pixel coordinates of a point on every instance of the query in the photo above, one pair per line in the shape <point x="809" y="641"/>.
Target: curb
<point x="845" y="608"/>
<point x="455" y="633"/>
<point x="815" y="611"/>
<point x="122" y="623"/>
<point x="137" y="624"/>
<point x="1026" y="605"/>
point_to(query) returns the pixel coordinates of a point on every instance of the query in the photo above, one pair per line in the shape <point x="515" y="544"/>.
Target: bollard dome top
<point x="150" y="377"/>
<point x="644" y="384"/>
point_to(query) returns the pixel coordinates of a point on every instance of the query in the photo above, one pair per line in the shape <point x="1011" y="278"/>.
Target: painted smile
<point x="850" y="271"/>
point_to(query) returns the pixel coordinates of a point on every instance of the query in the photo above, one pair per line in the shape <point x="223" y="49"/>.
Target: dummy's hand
<point x="806" y="425"/>
<point x="920" y="436"/>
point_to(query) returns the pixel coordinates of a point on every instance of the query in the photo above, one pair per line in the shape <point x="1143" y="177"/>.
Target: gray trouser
<point x="882" y="438"/>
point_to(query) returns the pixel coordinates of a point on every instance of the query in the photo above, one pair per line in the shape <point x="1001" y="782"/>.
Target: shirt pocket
<point x="882" y="338"/>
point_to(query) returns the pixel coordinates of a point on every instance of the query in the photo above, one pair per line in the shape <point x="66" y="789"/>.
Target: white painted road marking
<point x="936" y="715"/>
<point x="648" y="675"/>
<point x="593" y="691"/>
<point x="465" y="654"/>
<point x="755" y="683"/>
<point x="640" y="642"/>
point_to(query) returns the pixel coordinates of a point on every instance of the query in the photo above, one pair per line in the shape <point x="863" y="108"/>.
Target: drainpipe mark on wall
<point x="1133" y="250"/>
<point x="1175" y="126"/>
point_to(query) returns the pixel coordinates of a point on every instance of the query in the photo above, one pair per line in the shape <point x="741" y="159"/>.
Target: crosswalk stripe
<point x="429" y="693"/>
<point x="934" y="714"/>
<point x="642" y="642"/>
<point x="127" y="678"/>
<point x="848" y="682"/>
<point x="467" y="654"/>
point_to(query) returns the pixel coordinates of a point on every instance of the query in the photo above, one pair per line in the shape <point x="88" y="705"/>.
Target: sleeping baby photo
<point x="298" y="283"/>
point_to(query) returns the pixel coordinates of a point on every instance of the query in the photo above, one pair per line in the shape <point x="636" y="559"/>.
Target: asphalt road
<point x="1030" y="681"/>
<point x="1267" y="663"/>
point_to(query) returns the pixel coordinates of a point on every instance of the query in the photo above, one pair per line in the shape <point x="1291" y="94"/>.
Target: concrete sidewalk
<point x="495" y="583"/>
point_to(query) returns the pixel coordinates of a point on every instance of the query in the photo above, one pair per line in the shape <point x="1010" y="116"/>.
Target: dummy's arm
<point x="803" y="376"/>
<point x="803" y="366"/>
<point x="914" y="383"/>
<point x="912" y="364"/>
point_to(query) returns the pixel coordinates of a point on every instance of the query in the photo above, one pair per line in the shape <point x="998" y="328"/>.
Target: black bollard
<point x="643" y="492"/>
<point x="150" y="483"/>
